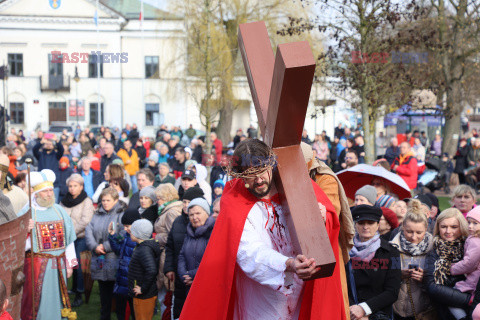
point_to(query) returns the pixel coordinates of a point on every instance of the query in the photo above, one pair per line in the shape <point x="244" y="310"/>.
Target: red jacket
<point x="213" y="293"/>
<point x="218" y="149"/>
<point x="408" y="170"/>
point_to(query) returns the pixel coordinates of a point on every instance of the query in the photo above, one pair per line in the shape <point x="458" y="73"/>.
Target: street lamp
<point x="77" y="79"/>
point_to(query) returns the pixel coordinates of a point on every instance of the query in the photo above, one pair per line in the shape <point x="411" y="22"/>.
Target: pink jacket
<point x="470" y="265"/>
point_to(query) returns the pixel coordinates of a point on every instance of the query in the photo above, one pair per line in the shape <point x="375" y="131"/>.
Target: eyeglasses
<point x="349" y="158"/>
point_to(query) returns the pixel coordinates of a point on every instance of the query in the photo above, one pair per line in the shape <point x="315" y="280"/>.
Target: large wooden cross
<point x="280" y="88"/>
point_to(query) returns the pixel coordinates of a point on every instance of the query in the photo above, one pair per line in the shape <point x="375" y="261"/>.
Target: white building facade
<point x="142" y="78"/>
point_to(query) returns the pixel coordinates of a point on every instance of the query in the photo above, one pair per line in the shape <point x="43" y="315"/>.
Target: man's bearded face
<point x="260" y="185"/>
<point x="45" y="198"/>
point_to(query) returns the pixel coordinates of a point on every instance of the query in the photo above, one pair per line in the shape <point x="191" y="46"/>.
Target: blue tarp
<point x="433" y="117"/>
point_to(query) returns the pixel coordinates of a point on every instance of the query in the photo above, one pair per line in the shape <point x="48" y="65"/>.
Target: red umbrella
<point x="362" y="174"/>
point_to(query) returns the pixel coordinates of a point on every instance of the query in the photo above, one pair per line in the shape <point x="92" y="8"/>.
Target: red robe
<point x="213" y="294"/>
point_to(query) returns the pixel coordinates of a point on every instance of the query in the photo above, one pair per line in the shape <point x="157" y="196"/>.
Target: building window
<point x="96" y="116"/>
<point x="153" y="117"/>
<point x="151" y="67"/>
<point x="92" y="66"/>
<point x="16" y="112"/>
<point x="15" y="64"/>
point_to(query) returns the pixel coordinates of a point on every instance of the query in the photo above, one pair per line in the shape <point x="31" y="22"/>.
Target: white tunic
<point x="264" y="290"/>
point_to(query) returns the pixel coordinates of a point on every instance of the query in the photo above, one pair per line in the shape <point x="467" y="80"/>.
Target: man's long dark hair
<point x="250" y="153"/>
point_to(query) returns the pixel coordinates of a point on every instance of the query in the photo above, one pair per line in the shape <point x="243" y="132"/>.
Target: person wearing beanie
<point x="200" y="202"/>
<point x="385" y="201"/>
<point x="152" y="163"/>
<point x="199" y="230"/>
<point x="148" y="204"/>
<point x="470" y="264"/>
<point x="377" y="286"/>
<point x="123" y="245"/>
<point x="65" y="172"/>
<point x="388" y="222"/>
<point x="143" y="269"/>
<point x="173" y="247"/>
<point x="218" y="187"/>
<point x="366" y="195"/>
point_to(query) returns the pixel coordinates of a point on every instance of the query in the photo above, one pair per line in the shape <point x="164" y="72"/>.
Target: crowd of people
<point x="141" y="211"/>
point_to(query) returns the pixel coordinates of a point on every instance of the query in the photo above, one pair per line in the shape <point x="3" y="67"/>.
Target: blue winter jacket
<point x="123" y="246"/>
<point x="49" y="160"/>
<point x="194" y="246"/>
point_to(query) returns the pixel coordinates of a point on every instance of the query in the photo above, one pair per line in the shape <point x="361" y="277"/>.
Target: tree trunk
<point x="369" y="135"/>
<point x="452" y="131"/>
<point x="225" y="124"/>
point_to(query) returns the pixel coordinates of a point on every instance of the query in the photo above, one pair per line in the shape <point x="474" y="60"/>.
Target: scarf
<point x="402" y="159"/>
<point x="163" y="206"/>
<point x="415" y="249"/>
<point x="448" y="252"/>
<point x="365" y="251"/>
<point x="69" y="202"/>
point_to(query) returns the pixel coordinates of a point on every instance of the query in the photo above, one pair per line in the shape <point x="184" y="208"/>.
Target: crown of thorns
<point x="249" y="166"/>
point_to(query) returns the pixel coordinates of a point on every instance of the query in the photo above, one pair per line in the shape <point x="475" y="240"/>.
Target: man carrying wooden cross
<point x="250" y="269"/>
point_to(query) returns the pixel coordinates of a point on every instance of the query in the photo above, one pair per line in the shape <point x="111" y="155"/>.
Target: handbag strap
<point x="351" y="278"/>
<point x="409" y="289"/>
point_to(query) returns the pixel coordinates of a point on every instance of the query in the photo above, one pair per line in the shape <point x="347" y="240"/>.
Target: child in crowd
<point x="470" y="265"/>
<point x="123" y="246"/>
<point x="143" y="269"/>
<point x="4" y="315"/>
<point x="218" y="187"/>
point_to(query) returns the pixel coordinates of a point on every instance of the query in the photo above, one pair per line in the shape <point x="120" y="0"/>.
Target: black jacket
<point x="173" y="247"/>
<point x="143" y="269"/>
<point x="461" y="159"/>
<point x="443" y="294"/>
<point x="378" y="282"/>
<point x="133" y="136"/>
<point x="134" y="202"/>
<point x="49" y="160"/>
<point x="476" y="297"/>
<point x="151" y="214"/>
<point x="197" y="154"/>
<point x="105" y="162"/>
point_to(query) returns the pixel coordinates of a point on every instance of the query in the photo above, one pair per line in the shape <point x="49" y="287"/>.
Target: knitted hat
<point x="202" y="203"/>
<point x="391" y="217"/>
<point x="474" y="213"/>
<point x="153" y="157"/>
<point x="369" y="192"/>
<point x="189" y="163"/>
<point x="192" y="193"/>
<point x="142" y="229"/>
<point x="365" y="212"/>
<point x="219" y="184"/>
<point x="130" y="216"/>
<point x="385" y="201"/>
<point x="149" y="191"/>
<point x="64" y="160"/>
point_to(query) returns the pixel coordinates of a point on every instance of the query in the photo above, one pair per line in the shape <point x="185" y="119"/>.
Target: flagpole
<point x="143" y="53"/>
<point x="99" y="109"/>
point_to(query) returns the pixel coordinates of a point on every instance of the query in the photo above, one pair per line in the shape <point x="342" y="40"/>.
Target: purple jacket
<point x="470" y="265"/>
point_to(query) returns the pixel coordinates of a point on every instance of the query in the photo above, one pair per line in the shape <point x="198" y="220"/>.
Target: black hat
<point x="188" y="174"/>
<point x="130" y="216"/>
<point x="423" y="198"/>
<point x="365" y="212"/>
<point x="192" y="193"/>
<point x="433" y="199"/>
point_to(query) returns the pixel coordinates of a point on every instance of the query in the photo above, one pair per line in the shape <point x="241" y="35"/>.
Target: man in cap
<point x="53" y="235"/>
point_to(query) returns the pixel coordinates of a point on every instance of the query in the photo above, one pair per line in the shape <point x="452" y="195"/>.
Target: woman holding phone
<point x="413" y="242"/>
<point x="451" y="230"/>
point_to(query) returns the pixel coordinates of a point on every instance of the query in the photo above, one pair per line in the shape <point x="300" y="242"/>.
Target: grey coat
<point x="104" y="267"/>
